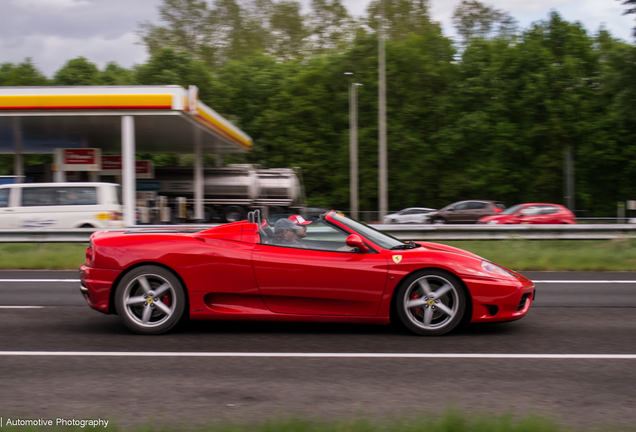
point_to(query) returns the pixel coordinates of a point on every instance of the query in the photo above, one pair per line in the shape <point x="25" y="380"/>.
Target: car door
<point x="477" y="210"/>
<point x="7" y="210"/>
<point x="410" y="216"/>
<point x="530" y="215"/>
<point x="320" y="279"/>
<point x="37" y="208"/>
<point x="465" y="213"/>
<point x="550" y="215"/>
<point x="457" y="213"/>
<point x="418" y="216"/>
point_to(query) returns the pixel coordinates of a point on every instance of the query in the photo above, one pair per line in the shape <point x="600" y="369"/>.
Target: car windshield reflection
<point x="381" y="239"/>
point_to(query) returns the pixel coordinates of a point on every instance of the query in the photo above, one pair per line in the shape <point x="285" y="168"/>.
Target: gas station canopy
<point x="118" y="120"/>
<point x="166" y="118"/>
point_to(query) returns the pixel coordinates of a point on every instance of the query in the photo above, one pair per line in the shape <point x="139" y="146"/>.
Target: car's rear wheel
<point x="431" y="302"/>
<point x="150" y="300"/>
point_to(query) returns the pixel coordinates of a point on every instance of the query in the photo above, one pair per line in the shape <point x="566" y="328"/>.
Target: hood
<point x="445" y="248"/>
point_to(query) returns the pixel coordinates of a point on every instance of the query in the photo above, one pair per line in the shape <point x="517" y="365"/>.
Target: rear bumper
<point x="500" y="300"/>
<point x="96" y="285"/>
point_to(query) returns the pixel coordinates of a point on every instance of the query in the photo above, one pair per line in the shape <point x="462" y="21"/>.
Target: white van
<point x="60" y="205"/>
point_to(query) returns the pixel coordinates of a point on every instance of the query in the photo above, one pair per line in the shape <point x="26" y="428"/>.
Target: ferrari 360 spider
<point x="342" y="271"/>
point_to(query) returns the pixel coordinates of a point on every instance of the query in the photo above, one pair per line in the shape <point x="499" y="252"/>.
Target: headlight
<point x="493" y="222"/>
<point x="489" y="267"/>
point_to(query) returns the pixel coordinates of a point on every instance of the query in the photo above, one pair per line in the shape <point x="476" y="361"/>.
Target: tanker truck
<point x="228" y="192"/>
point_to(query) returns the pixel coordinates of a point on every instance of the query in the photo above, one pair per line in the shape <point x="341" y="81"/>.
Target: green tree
<point x="78" y="71"/>
<point x="289" y="32"/>
<point x="168" y="67"/>
<point x="401" y="17"/>
<point x="114" y="74"/>
<point x="187" y="27"/>
<point x="23" y="74"/>
<point x="330" y="25"/>
<point x="473" y="18"/>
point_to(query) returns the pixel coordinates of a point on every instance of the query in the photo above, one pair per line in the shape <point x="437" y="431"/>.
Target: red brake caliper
<point x="166" y="300"/>
<point x="415" y="310"/>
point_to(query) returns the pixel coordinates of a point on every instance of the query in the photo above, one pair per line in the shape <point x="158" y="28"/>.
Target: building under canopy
<point x="117" y="120"/>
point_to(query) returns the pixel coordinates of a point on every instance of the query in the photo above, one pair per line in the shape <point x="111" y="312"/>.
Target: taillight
<point x="115" y="216"/>
<point x="498" y="210"/>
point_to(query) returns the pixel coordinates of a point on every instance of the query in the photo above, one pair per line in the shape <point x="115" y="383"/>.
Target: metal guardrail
<point x="402" y="232"/>
<point x="508" y="232"/>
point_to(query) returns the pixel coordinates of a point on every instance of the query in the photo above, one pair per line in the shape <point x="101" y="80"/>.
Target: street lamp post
<point x="353" y="146"/>
<point x="383" y="197"/>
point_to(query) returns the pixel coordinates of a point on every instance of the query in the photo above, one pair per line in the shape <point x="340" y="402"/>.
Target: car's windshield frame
<point x="376" y="237"/>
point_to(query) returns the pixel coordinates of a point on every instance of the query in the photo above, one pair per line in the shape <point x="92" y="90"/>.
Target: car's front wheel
<point x="150" y="300"/>
<point x="431" y="302"/>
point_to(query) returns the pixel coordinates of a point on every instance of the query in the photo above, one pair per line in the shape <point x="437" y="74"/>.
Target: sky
<point x="51" y="32"/>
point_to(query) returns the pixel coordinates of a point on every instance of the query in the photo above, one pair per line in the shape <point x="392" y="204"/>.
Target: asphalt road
<point x="584" y="317"/>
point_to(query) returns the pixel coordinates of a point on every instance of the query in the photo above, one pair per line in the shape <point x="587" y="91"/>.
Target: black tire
<point x="208" y="215"/>
<point x="86" y="226"/>
<point x="443" y="312"/>
<point x="234" y="213"/>
<point x="137" y="303"/>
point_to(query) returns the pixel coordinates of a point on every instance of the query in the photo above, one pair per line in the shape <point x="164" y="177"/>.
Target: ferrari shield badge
<point x="397" y="258"/>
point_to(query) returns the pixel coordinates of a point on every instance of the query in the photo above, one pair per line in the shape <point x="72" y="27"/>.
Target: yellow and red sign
<point x="85" y="102"/>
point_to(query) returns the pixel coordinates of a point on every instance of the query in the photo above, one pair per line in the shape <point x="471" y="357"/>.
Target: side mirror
<point x="355" y="241"/>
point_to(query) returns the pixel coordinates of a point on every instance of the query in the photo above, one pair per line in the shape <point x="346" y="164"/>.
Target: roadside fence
<point x="402" y="232"/>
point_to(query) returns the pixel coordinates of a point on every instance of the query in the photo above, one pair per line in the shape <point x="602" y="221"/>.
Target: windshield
<point x="383" y="240"/>
<point x="512" y="210"/>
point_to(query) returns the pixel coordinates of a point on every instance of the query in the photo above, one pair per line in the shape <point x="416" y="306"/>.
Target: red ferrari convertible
<point x="342" y="271"/>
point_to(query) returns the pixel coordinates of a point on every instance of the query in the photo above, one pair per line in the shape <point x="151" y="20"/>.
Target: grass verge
<point x="556" y="255"/>
<point x="452" y="421"/>
<point x="43" y="256"/>
<point x="519" y="255"/>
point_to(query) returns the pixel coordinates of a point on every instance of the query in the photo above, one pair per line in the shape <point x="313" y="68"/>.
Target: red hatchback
<point x="534" y="213"/>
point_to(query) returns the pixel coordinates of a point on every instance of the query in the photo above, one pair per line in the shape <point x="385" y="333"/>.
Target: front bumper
<point x="496" y="300"/>
<point x="96" y="285"/>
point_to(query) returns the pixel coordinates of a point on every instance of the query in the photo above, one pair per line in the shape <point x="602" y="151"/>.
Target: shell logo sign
<point x="72" y="159"/>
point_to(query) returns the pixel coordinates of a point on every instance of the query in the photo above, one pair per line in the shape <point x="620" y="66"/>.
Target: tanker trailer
<point x="230" y="192"/>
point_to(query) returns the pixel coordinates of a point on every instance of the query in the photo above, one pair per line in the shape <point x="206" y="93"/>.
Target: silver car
<point x="409" y="215"/>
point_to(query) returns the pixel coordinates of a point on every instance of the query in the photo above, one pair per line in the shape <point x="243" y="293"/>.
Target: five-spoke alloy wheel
<point x="431" y="302"/>
<point x="150" y="300"/>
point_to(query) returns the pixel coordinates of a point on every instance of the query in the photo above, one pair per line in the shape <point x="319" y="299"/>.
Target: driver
<point x="286" y="233"/>
<point x="301" y="222"/>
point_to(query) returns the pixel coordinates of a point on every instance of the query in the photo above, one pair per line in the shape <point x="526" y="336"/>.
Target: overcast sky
<point x="51" y="32"/>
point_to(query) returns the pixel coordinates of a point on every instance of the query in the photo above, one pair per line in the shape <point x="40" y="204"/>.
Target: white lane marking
<point x="319" y="355"/>
<point x="40" y="280"/>
<point x="21" y="307"/>
<point x="586" y="281"/>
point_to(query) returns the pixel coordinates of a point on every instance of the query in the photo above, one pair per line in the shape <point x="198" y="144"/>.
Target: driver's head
<point x="300" y="221"/>
<point x="287" y="229"/>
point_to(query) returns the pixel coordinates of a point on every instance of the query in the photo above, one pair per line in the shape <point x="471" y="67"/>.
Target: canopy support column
<point x="128" y="168"/>
<point x="59" y="176"/>
<point x="199" y="214"/>
<point x="18" y="165"/>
